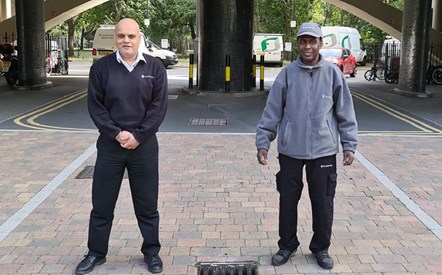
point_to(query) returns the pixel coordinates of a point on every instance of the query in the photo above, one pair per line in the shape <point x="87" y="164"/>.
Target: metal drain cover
<point x="208" y="121"/>
<point x="228" y="268"/>
<point x="88" y="172"/>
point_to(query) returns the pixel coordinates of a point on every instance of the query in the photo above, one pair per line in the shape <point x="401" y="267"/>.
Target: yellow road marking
<point x="32" y="116"/>
<point x="425" y="128"/>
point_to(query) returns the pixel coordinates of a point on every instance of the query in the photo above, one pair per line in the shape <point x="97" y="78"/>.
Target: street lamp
<point x="292" y="26"/>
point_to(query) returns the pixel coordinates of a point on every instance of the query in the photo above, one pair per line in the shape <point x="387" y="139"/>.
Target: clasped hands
<point x="348" y="157"/>
<point x="127" y="140"/>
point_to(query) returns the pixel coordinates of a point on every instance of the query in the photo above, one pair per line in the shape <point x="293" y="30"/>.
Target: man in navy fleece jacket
<point x="127" y="100"/>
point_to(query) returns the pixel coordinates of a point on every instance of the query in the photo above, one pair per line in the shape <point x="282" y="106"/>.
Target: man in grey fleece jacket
<point x="310" y="110"/>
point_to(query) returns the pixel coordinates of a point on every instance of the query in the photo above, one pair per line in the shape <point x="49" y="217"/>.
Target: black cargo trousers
<point x="321" y="179"/>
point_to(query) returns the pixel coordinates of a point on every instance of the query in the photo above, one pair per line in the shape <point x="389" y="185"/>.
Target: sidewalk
<point x="218" y="204"/>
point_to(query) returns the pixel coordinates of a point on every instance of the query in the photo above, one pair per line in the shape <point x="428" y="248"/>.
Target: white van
<point x="391" y="50"/>
<point x="393" y="46"/>
<point x="104" y="44"/>
<point x="345" y="37"/>
<point x="270" y="45"/>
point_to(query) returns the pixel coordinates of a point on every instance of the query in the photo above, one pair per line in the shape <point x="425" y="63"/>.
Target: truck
<point x="104" y="44"/>
<point x="345" y="37"/>
<point x="270" y="45"/>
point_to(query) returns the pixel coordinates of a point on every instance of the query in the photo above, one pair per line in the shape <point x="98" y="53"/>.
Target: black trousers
<point x="142" y="168"/>
<point x="321" y="178"/>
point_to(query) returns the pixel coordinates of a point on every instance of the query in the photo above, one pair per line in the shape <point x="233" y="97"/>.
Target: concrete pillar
<point x="437" y="15"/>
<point x="226" y="28"/>
<point x="5" y="9"/>
<point x="414" y="48"/>
<point x="31" y="44"/>
<point x="2" y="10"/>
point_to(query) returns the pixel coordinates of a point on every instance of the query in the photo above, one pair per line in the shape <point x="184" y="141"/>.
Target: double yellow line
<point x="423" y="128"/>
<point x="28" y="120"/>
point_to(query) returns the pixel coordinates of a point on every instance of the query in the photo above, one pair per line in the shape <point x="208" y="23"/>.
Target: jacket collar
<point x="308" y="67"/>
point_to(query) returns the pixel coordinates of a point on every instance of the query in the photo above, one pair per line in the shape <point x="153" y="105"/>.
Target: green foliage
<point x="171" y="19"/>
<point x="399" y="4"/>
<point x="175" y="20"/>
<point x="275" y="16"/>
<point x="272" y="16"/>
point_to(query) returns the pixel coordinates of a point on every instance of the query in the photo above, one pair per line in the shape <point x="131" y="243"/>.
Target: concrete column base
<point x="34" y="87"/>
<point x="412" y="94"/>
<point x="252" y="92"/>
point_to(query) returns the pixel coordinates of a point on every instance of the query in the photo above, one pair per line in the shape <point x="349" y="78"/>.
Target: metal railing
<point x="8" y="38"/>
<point x="386" y="56"/>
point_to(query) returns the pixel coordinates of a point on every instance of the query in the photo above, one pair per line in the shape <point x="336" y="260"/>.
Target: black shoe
<point x="324" y="260"/>
<point x="154" y="263"/>
<point x="281" y="257"/>
<point x="89" y="263"/>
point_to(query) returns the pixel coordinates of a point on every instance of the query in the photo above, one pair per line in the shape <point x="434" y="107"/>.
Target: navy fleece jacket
<point x="132" y="101"/>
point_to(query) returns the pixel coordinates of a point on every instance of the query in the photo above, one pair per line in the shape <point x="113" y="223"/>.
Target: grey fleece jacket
<point x="310" y="109"/>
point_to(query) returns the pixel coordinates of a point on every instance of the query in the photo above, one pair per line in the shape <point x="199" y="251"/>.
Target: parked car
<point x="168" y="57"/>
<point x="345" y="37"/>
<point x="104" y="44"/>
<point x="342" y="58"/>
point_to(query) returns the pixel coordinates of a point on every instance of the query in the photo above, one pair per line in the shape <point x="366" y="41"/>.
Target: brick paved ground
<point x="218" y="204"/>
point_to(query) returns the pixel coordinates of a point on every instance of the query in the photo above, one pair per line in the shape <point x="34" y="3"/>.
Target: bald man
<point x="127" y="101"/>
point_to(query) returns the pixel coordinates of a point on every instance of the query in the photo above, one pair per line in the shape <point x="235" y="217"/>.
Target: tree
<point x="175" y="20"/>
<point x="172" y="19"/>
<point x="274" y="17"/>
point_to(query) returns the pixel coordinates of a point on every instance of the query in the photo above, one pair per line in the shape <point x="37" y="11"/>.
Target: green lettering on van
<point x="329" y="35"/>
<point x="343" y="41"/>
<point x="264" y="43"/>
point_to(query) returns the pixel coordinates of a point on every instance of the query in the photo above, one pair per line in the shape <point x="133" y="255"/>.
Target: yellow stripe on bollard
<point x="191" y="71"/>
<point x="227" y="73"/>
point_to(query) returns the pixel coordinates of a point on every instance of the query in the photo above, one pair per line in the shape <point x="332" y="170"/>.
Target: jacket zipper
<point x="309" y="113"/>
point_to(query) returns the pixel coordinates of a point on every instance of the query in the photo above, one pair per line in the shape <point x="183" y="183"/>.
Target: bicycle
<point x="437" y="75"/>
<point x="56" y="63"/>
<point x="373" y="73"/>
<point x="392" y="76"/>
<point x="392" y="72"/>
<point x="62" y="64"/>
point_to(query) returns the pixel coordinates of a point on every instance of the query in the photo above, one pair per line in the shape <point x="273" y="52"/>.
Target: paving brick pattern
<point x="218" y="204"/>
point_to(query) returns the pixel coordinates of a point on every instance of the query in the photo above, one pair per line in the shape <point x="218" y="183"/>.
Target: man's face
<point x="127" y="38"/>
<point x="308" y="47"/>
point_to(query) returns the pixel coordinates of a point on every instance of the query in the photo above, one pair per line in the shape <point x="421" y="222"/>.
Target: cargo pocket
<point x="278" y="181"/>
<point x="331" y="185"/>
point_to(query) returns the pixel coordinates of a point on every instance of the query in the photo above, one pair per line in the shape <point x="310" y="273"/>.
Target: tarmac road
<point x="63" y="107"/>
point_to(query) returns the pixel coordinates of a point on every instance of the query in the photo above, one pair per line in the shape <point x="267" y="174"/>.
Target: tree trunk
<point x="227" y="33"/>
<point x="71" y="31"/>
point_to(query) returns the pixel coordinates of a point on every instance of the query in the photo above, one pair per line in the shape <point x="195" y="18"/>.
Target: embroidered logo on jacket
<point x="146" y="76"/>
